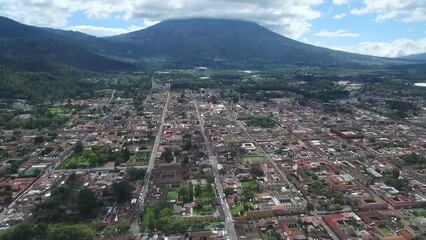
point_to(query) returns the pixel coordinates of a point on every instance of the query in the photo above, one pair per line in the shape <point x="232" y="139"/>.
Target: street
<point x="229" y="222"/>
<point x="135" y="227"/>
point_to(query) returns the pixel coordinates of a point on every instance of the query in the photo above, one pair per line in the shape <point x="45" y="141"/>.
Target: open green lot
<point x="204" y="212"/>
<point x="253" y="159"/>
<point x="56" y="110"/>
<point x="251" y="185"/>
<point x="236" y="211"/>
<point x="76" y="162"/>
<point x="94" y="157"/>
<point x="141" y="156"/>
<point x="385" y="230"/>
<point x="173" y="195"/>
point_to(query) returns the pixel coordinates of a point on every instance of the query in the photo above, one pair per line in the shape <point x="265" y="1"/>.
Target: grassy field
<point x="76" y="162"/>
<point x="173" y="195"/>
<point x="56" y="110"/>
<point x="207" y="196"/>
<point x="141" y="156"/>
<point x="254" y="159"/>
<point x="295" y="229"/>
<point x="237" y="210"/>
<point x="204" y="212"/>
<point x="385" y="230"/>
<point x="249" y="184"/>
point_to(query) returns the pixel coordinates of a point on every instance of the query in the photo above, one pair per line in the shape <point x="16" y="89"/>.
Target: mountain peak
<point x="227" y="42"/>
<point x="215" y="43"/>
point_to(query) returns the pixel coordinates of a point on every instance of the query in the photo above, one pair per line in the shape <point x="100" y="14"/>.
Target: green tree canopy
<point x="123" y="190"/>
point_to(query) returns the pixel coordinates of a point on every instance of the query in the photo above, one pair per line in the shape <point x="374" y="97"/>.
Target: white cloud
<point x="340" y="16"/>
<point x="291" y="17"/>
<point x="104" y="31"/>
<point x="403" y="10"/>
<point x="338" y="33"/>
<point x="46" y="13"/>
<point x="398" y="48"/>
<point x="340" y="2"/>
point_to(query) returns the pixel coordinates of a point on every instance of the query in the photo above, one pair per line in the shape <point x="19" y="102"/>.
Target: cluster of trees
<point x="401" y="106"/>
<point x="87" y="203"/>
<point x="392" y="178"/>
<point x="414" y="159"/>
<point x="40" y="118"/>
<point x="38" y="86"/>
<point x="161" y="217"/>
<point x="45" y="82"/>
<point x="167" y="155"/>
<point x="59" y="231"/>
<point x="204" y="196"/>
<point x="96" y="156"/>
<point x="117" y="229"/>
<point x="251" y="188"/>
<point x="123" y="191"/>
<point x="255" y="171"/>
<point x="135" y="173"/>
<point x="317" y="88"/>
<point x="6" y="192"/>
<point x="187" y="142"/>
<point x="3" y="153"/>
<point x="335" y="198"/>
<point x="260" y="122"/>
<point x="205" y="175"/>
<point x="138" y="102"/>
<point x="186" y="193"/>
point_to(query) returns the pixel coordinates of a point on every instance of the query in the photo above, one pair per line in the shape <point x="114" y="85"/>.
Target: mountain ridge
<point x="233" y="40"/>
<point x="39" y="46"/>
<point x="183" y="43"/>
<point x="419" y="57"/>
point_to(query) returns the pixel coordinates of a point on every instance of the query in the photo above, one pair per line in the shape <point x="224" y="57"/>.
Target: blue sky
<point x="389" y="28"/>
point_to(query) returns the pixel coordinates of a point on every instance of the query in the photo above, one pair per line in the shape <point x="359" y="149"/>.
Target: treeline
<point x="40" y="117"/>
<point x="161" y="217"/>
<point x="258" y="121"/>
<point x="321" y="90"/>
<point x="43" y="231"/>
<point x="42" y="86"/>
<point x="414" y="159"/>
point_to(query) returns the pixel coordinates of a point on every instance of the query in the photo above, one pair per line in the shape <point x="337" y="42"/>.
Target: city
<point x="213" y="120"/>
<point x="219" y="163"/>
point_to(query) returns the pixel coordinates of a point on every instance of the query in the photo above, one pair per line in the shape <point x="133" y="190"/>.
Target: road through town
<point x="229" y="222"/>
<point x="135" y="228"/>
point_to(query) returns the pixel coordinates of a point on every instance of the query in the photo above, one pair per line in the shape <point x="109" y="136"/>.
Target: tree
<point x="228" y="191"/>
<point x="38" y="139"/>
<point x="149" y="218"/>
<point x="70" y="232"/>
<point x="135" y="173"/>
<point x="198" y="191"/>
<point x="191" y="192"/>
<point x="316" y="186"/>
<point x="310" y="207"/>
<point x="177" y="153"/>
<point x="183" y="192"/>
<point x="167" y="155"/>
<point x="395" y="173"/>
<point x="118" y="228"/>
<point x="391" y="178"/>
<point x="87" y="201"/>
<point x="123" y="190"/>
<point x="187" y="145"/>
<point x="79" y="147"/>
<point x="126" y="154"/>
<point x="256" y="171"/>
